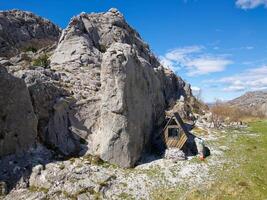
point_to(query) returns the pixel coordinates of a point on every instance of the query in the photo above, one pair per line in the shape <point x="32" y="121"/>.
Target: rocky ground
<point x="89" y="177"/>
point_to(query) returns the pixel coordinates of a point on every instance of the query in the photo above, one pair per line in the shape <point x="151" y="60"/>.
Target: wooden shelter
<point x="174" y="133"/>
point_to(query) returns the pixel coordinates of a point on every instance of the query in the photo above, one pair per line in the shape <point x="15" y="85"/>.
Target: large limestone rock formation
<point x="104" y="87"/>
<point x="131" y="104"/>
<point x="120" y="89"/>
<point x="20" y="30"/>
<point x="18" y="124"/>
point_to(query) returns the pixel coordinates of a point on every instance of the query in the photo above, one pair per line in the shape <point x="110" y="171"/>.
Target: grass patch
<point x="153" y="172"/>
<point x="243" y="176"/>
<point x="38" y="189"/>
<point x="96" y="160"/>
<point x="125" y="196"/>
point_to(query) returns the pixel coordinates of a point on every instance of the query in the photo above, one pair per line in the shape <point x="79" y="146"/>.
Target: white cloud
<point x="249" y="47"/>
<point x="194" y="60"/>
<point x="181" y="53"/>
<point x="241" y="48"/>
<point x="250" y="4"/>
<point x="250" y="79"/>
<point x="206" y="65"/>
<point x="234" y="88"/>
<point x="196" y="90"/>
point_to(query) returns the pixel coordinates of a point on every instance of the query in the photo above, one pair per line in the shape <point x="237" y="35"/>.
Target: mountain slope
<point x="256" y="102"/>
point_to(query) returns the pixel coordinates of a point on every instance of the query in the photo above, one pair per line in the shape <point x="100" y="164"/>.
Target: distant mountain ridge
<point x="255" y="101"/>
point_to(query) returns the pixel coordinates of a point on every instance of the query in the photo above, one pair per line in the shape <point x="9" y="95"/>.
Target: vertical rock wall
<point x="18" y="123"/>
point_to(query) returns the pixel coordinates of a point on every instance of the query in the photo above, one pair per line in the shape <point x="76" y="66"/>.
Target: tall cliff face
<point x="119" y="88"/>
<point x="21" y="30"/>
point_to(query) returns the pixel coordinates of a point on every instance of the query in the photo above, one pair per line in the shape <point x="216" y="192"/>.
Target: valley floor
<point x="236" y="169"/>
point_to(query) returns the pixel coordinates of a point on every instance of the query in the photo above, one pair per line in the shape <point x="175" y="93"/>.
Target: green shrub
<point x="42" y="60"/>
<point x="30" y="48"/>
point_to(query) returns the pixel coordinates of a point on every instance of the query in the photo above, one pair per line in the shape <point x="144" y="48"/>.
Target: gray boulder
<point x="18" y="123"/>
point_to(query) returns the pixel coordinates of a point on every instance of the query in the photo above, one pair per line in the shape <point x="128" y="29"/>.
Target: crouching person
<point x="201" y="148"/>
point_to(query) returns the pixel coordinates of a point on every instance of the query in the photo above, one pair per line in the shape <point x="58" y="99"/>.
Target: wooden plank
<point x="179" y="142"/>
<point x="173" y="126"/>
<point x="171" y="142"/>
<point x="175" y="143"/>
<point x="167" y="124"/>
<point x="179" y="121"/>
<point x="182" y="141"/>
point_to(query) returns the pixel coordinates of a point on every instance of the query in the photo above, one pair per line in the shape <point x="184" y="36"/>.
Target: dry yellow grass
<point x="222" y="112"/>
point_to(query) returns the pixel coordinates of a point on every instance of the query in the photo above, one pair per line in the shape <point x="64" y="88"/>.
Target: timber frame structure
<point x="174" y="133"/>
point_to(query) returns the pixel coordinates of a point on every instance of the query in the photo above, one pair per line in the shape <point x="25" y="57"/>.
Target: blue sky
<point x="219" y="46"/>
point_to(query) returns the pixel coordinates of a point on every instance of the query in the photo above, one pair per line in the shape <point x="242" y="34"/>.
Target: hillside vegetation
<point x="225" y="112"/>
